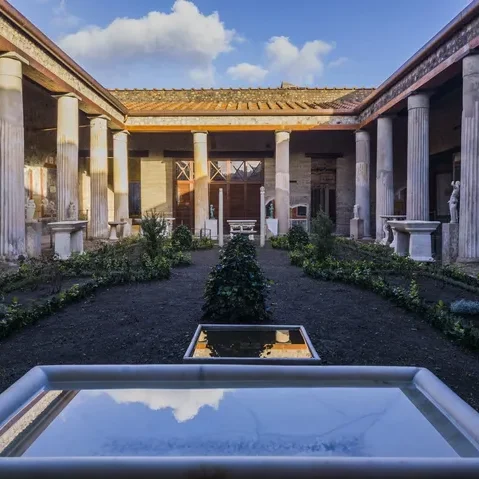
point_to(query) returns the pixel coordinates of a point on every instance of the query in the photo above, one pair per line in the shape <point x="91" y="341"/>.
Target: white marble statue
<point x="49" y="208"/>
<point x="72" y="211"/>
<point x="454" y="201"/>
<point x="30" y="208"/>
<point x="356" y="212"/>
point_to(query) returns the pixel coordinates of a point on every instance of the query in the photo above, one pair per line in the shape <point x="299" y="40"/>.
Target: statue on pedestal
<point x="72" y="211"/>
<point x="49" y="208"/>
<point x="454" y="202"/>
<point x="271" y="210"/>
<point x="212" y="212"/>
<point x="30" y="208"/>
<point x="356" y="212"/>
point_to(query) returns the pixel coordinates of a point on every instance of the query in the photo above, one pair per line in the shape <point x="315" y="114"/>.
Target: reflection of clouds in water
<point x="185" y="403"/>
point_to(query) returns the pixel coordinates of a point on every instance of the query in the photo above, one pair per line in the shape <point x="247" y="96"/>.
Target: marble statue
<point x="50" y="208"/>
<point x="356" y="212"/>
<point x="30" y="208"/>
<point x="212" y="212"/>
<point x="72" y="211"/>
<point x="271" y="210"/>
<point x="454" y="201"/>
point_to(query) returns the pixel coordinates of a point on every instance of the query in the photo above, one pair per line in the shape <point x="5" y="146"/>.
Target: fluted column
<point x="363" y="160"/>
<point x="469" y="193"/>
<point x="99" y="177"/>
<point x="344" y="193"/>
<point x="120" y="174"/>
<point x="384" y="174"/>
<point x="12" y="157"/>
<point x="200" y="151"/>
<point x="417" y="206"/>
<point x="67" y="155"/>
<point x="281" y="197"/>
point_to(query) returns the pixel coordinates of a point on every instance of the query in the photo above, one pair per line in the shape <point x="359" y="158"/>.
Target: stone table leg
<point x="402" y="242"/>
<point x="76" y="241"/>
<point x="63" y="244"/>
<point x="113" y="233"/>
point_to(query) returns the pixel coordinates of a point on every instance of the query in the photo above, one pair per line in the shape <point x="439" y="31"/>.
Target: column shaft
<point x="99" y="177"/>
<point x="12" y="157"/>
<point x="281" y="198"/>
<point x="67" y="155"/>
<point x="120" y="174"/>
<point x="200" y="150"/>
<point x="469" y="193"/>
<point x="344" y="193"/>
<point x="384" y="174"/>
<point x="363" y="195"/>
<point x="417" y="206"/>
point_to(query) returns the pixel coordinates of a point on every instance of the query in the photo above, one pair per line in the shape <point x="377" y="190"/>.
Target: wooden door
<point x="184" y="199"/>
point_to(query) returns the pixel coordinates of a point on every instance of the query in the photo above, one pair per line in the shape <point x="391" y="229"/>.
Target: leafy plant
<point x="280" y="242"/>
<point x="202" y="243"/>
<point x="236" y="289"/>
<point x="322" y="235"/>
<point x="182" y="238"/>
<point x="297" y="237"/>
<point x="464" y="306"/>
<point x="153" y="227"/>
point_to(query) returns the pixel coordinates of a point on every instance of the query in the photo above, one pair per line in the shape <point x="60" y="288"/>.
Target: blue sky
<point x="223" y="43"/>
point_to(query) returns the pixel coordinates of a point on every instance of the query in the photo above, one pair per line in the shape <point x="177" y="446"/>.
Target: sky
<point x="240" y="43"/>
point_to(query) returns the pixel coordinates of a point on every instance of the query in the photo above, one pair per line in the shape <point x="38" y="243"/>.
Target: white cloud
<point x="338" y="62"/>
<point x="298" y="65"/>
<point x="63" y="18"/>
<point x="185" y="403"/>
<point x="247" y="72"/>
<point x="183" y="36"/>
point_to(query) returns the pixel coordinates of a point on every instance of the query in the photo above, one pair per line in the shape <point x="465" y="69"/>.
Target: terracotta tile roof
<point x="243" y="101"/>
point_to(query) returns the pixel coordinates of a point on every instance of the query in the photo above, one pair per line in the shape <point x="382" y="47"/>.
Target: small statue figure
<point x="271" y="210"/>
<point x="30" y="208"/>
<point x="51" y="209"/>
<point x="356" y="212"/>
<point x="72" y="211"/>
<point x="212" y="212"/>
<point x="454" y="202"/>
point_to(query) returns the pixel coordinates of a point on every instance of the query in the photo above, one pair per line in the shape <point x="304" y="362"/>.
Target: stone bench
<point x="242" y="227"/>
<point x="68" y="237"/>
<point x="414" y="237"/>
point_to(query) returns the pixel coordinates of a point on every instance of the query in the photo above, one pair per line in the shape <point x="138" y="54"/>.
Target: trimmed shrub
<point x="153" y="227"/>
<point x="280" y="242"/>
<point x="202" y="243"/>
<point x="236" y="289"/>
<point x="297" y="237"/>
<point x="182" y="238"/>
<point x="322" y="235"/>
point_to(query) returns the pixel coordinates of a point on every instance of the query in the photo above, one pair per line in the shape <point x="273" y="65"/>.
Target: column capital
<point x="418" y="99"/>
<point x="387" y="116"/>
<point x="470" y="64"/>
<point x="118" y="133"/>
<point x="57" y="96"/>
<point x="283" y="131"/>
<point x="359" y="133"/>
<point x="199" y="131"/>
<point x="14" y="56"/>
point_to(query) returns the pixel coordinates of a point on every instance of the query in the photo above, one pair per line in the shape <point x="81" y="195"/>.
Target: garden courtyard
<point x="152" y="319"/>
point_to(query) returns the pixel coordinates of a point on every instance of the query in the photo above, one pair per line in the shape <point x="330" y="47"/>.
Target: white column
<point x="281" y="198"/>
<point x="469" y="193"/>
<point x="417" y="207"/>
<point x="99" y="177"/>
<point x="200" y="150"/>
<point x="384" y="174"/>
<point x="67" y="155"/>
<point x="344" y="193"/>
<point x="12" y="157"/>
<point x="220" y="218"/>
<point x="262" y="219"/>
<point x="363" y="161"/>
<point x="120" y="174"/>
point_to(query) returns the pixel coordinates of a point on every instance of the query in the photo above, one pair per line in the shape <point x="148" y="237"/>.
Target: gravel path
<point x="154" y="322"/>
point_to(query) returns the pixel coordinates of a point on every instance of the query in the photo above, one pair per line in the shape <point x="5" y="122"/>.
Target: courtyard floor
<point x="154" y="322"/>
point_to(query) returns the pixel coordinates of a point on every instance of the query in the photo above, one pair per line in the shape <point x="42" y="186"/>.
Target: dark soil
<point x="154" y="322"/>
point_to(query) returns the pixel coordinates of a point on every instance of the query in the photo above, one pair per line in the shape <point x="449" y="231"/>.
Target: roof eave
<point x="166" y="113"/>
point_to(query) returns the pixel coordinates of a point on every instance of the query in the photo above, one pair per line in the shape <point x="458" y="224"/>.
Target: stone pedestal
<point x="115" y="230"/>
<point x="414" y="237"/>
<point x="271" y="227"/>
<point x="282" y="181"/>
<point x="33" y="239"/>
<point x="450" y="242"/>
<point x="212" y="225"/>
<point x="200" y="151"/>
<point x="363" y="157"/>
<point x="68" y="237"/>
<point x="356" y="228"/>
